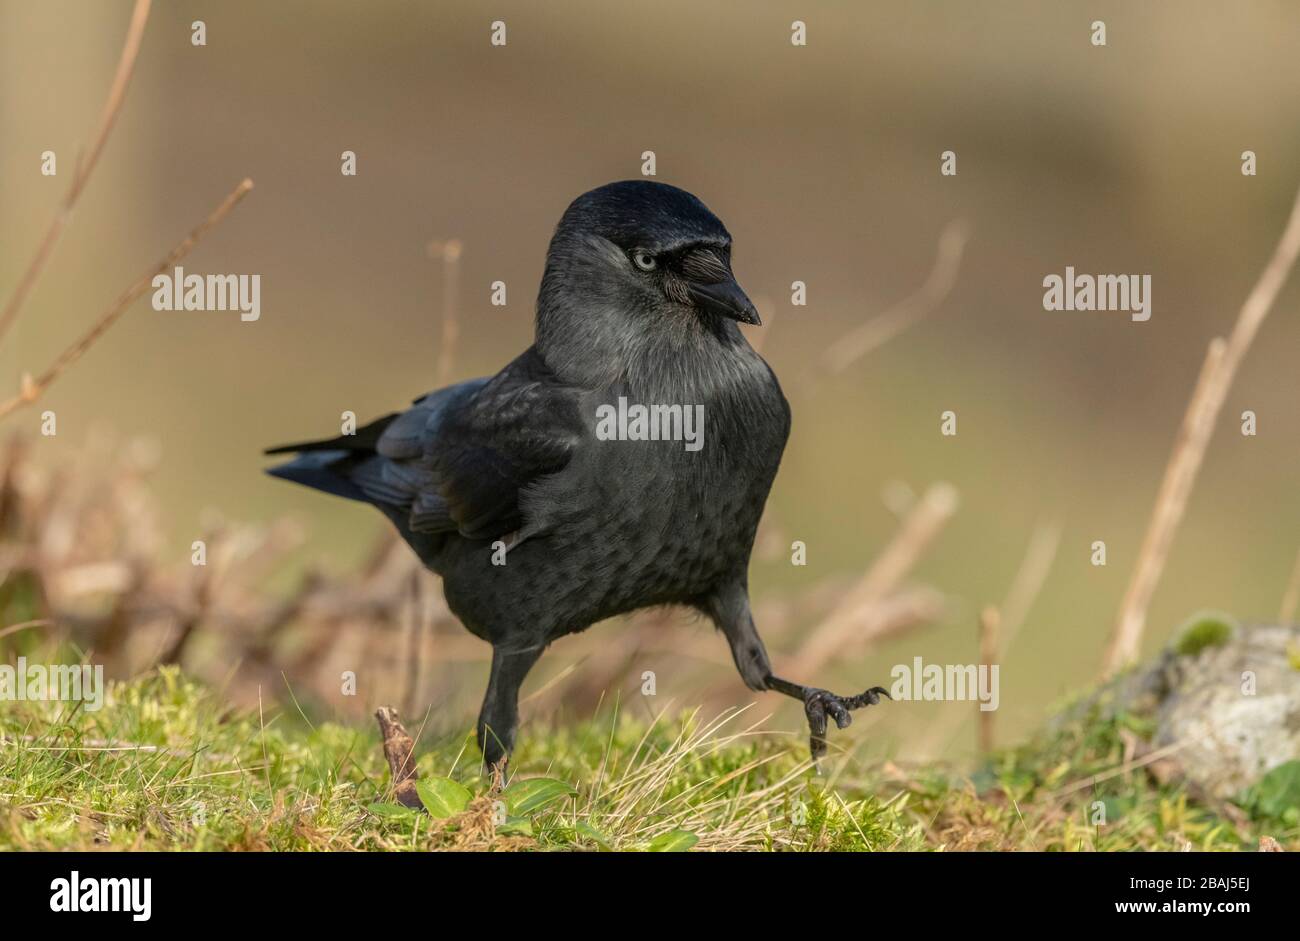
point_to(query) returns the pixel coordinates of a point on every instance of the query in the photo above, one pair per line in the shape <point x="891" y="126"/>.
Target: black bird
<point x="539" y="525"/>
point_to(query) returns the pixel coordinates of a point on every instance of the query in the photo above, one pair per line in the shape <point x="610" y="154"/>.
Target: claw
<point x="837" y="712"/>
<point x="820" y="703"/>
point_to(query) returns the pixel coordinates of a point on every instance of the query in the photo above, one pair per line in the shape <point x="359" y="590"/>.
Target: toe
<point x="817" y="747"/>
<point x="835" y="708"/>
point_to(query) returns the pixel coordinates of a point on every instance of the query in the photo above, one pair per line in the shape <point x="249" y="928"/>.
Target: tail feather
<point x="365" y="439"/>
<point x="322" y="470"/>
<point x="350" y="466"/>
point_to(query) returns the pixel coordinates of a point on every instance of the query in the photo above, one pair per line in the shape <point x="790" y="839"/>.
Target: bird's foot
<point x="818" y="704"/>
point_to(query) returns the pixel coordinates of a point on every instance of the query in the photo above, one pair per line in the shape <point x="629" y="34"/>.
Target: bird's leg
<point x="730" y="611"/>
<point x="499" y="717"/>
<point x="820" y="703"/>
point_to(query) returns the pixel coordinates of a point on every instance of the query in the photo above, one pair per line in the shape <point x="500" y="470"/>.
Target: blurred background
<point x="823" y="161"/>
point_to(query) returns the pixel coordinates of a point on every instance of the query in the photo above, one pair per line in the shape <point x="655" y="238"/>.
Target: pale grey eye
<point x="643" y="259"/>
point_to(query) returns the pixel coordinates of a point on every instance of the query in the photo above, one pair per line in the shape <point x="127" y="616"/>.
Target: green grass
<point x="209" y="779"/>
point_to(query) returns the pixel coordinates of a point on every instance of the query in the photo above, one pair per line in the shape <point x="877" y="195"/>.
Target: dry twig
<point x="112" y="106"/>
<point x="399" y="750"/>
<point x="990" y="623"/>
<point x="1221" y="363"/>
<point x="860" y="341"/>
<point x="33" y="388"/>
<point x="843" y="627"/>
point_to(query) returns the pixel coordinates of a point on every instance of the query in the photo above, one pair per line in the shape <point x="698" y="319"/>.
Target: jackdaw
<point x="542" y="522"/>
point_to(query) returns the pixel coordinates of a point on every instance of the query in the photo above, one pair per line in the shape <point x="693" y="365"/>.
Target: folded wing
<point x="458" y="458"/>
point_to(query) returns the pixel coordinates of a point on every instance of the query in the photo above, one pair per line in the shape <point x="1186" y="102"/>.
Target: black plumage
<point x="638" y="302"/>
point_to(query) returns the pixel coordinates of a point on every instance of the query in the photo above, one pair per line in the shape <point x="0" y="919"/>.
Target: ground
<point x="163" y="765"/>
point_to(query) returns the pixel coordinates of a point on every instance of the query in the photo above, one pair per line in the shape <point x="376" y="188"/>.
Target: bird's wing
<point x="460" y="457"/>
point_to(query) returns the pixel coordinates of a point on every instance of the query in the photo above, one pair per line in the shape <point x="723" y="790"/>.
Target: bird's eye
<point x="643" y="259"/>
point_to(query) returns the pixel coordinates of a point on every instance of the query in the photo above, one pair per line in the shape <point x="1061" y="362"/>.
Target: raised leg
<point x="730" y="611"/>
<point x="820" y="703"/>
<point x="499" y="717"/>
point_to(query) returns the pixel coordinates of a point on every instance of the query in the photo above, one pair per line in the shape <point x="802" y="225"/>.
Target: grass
<point x="164" y="766"/>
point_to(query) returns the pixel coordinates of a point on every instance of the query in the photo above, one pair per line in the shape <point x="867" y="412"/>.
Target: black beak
<point x="724" y="298"/>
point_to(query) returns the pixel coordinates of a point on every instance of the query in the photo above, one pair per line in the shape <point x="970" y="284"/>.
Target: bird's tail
<point x="332" y="465"/>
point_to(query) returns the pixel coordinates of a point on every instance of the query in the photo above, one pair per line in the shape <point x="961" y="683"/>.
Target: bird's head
<point x="637" y="264"/>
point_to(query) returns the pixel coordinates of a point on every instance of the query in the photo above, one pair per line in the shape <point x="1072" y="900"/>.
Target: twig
<point x="414" y="645"/>
<point x="1033" y="571"/>
<point x="1020" y="598"/>
<point x="25" y="625"/>
<point x="923" y="524"/>
<point x="1217" y="374"/>
<point x="33" y="388"/>
<point x="990" y="622"/>
<point x="1171" y="502"/>
<point x="1123" y="768"/>
<point x="860" y="341"/>
<point x="204" y="578"/>
<point x="1221" y="363"/>
<point x="112" y="106"/>
<point x="399" y="750"/>
<point x="113" y="745"/>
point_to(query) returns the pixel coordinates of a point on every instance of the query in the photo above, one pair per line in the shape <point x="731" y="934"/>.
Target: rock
<point x="1227" y="699"/>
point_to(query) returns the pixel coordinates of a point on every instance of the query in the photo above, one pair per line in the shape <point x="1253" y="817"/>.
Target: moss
<point x="219" y="778"/>
<point x="1204" y="629"/>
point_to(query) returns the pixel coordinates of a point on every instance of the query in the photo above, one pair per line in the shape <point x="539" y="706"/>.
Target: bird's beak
<point x="724" y="298"/>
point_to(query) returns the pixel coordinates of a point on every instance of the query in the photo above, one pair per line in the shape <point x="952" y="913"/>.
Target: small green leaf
<point x="588" y="832"/>
<point x="531" y="795"/>
<point x="1276" y="792"/>
<point x="674" y="841"/>
<point x="394" y="811"/>
<point x="518" y="825"/>
<point x="442" y="797"/>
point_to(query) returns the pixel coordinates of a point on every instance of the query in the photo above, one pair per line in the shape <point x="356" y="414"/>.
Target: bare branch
<point x="922" y="525"/>
<point x="990" y="648"/>
<point x="33" y="388"/>
<point x="860" y="341"/>
<point x="1221" y="362"/>
<point x="112" y="106"/>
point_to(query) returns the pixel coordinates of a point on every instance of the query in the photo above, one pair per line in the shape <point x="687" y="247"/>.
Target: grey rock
<point x="1232" y="710"/>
